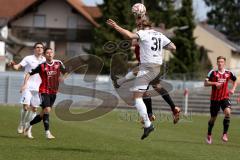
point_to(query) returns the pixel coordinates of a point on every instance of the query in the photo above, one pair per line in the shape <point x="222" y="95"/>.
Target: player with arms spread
<point x="155" y="84"/>
<point x="50" y="73"/>
<point x="219" y="79"/>
<point x="151" y="44"/>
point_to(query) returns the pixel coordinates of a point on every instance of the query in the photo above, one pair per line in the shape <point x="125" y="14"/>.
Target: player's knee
<point x="25" y="107"/>
<point x="146" y="94"/>
<point x="34" y="109"/>
<point x="227" y="112"/>
<point x="137" y="95"/>
<point x="162" y="91"/>
<point x="47" y="110"/>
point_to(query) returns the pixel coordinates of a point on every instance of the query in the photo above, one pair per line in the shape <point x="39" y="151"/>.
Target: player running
<point x="50" y="73"/>
<point x="155" y="84"/>
<point x="219" y="79"/>
<point x="151" y="44"/>
<point x="30" y="97"/>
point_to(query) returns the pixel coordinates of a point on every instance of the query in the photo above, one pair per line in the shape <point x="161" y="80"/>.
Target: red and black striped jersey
<point x="216" y="76"/>
<point x="49" y="74"/>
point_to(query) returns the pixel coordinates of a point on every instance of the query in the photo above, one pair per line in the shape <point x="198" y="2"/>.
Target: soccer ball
<point x="138" y="10"/>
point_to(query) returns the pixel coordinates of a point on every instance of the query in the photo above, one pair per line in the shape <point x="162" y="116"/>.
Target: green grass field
<point x="113" y="137"/>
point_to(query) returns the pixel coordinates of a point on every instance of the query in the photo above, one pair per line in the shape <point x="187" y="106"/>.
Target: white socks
<point x="47" y="132"/>
<point x="23" y="118"/>
<point x="128" y="76"/>
<point x="31" y="115"/>
<point x="141" y="107"/>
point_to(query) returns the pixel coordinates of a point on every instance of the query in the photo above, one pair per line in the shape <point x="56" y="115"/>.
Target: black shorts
<point x="216" y="105"/>
<point x="47" y="100"/>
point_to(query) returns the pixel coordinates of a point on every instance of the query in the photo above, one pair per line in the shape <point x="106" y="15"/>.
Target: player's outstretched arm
<point x="14" y="65"/>
<point x="171" y="47"/>
<point x="124" y="32"/>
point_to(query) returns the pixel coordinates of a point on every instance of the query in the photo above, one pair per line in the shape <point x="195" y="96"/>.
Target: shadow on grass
<point x="85" y="150"/>
<point x="10" y="136"/>
<point x="229" y="144"/>
<point x="67" y="149"/>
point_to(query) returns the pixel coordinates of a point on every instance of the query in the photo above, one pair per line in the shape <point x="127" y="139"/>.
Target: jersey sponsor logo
<point x="221" y="80"/>
<point x="51" y="73"/>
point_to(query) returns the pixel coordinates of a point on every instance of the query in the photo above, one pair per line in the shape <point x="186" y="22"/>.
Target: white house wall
<point x="57" y="14"/>
<point x="216" y="46"/>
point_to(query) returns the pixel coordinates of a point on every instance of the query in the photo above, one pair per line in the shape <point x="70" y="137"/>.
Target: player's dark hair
<point x="47" y="48"/>
<point x="221" y="57"/>
<point x="37" y="43"/>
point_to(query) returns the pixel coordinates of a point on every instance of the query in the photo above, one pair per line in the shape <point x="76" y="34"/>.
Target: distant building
<point x="65" y="25"/>
<point x="217" y="45"/>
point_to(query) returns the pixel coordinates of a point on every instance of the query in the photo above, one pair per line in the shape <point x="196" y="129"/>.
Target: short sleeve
<point x="233" y="76"/>
<point x="165" y="41"/>
<point x="62" y="68"/>
<point x="23" y="63"/>
<point x="210" y="75"/>
<point x="141" y="34"/>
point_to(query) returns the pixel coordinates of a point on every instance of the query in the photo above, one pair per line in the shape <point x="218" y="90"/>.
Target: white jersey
<point x="29" y="63"/>
<point x="151" y="45"/>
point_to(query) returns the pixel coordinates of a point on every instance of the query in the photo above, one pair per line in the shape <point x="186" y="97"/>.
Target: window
<point x="72" y="22"/>
<point x="39" y="21"/>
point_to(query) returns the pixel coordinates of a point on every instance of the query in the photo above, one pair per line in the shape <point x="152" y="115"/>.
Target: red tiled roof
<point x="79" y="6"/>
<point x="12" y="8"/>
<point x="93" y="11"/>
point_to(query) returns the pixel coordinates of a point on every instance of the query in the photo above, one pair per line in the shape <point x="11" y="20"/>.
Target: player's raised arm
<point x="124" y="32"/>
<point x="171" y="47"/>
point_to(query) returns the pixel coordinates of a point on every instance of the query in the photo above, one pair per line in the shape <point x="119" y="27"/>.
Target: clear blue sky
<point x="199" y="7"/>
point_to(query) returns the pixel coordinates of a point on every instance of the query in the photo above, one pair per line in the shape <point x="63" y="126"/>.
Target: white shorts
<point x="30" y="98"/>
<point x="146" y="74"/>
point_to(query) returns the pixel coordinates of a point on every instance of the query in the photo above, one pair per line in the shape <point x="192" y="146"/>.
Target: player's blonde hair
<point x="221" y="57"/>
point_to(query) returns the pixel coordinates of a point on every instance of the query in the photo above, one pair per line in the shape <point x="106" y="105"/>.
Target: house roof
<point x="79" y="6"/>
<point x="93" y="11"/>
<point x="10" y="9"/>
<point x="220" y="36"/>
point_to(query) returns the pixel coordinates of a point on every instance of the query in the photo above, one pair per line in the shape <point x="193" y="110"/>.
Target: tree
<point x="161" y="11"/>
<point x="224" y="15"/>
<point x="187" y="57"/>
<point x="121" y="13"/>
